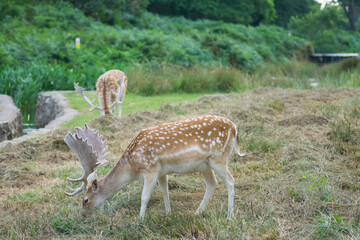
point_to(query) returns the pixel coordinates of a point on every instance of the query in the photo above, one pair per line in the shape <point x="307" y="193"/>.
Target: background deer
<point x="200" y="144"/>
<point x="110" y="86"/>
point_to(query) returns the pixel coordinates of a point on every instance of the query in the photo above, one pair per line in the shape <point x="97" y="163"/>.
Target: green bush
<point x="327" y="29"/>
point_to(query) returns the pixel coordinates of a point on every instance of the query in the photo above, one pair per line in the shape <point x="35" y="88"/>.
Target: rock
<point x="10" y="119"/>
<point x="49" y="106"/>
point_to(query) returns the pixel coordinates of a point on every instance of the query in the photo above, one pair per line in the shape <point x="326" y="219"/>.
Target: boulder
<point x="10" y="119"/>
<point x="49" y="106"/>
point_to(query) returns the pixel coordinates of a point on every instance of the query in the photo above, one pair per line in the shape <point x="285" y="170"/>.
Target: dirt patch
<point x="303" y="120"/>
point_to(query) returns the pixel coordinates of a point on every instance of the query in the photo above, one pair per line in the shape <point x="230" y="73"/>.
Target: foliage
<point x="112" y="11"/>
<point x="351" y="9"/>
<point x="239" y="11"/>
<point x="37" y="50"/>
<point x="37" y="33"/>
<point x="286" y="9"/>
<point x="325" y="28"/>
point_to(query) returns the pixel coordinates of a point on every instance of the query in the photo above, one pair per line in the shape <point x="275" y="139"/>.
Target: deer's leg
<point x="122" y="92"/>
<point x="210" y="182"/>
<point x="101" y="99"/>
<point x="222" y="171"/>
<point x="120" y="107"/>
<point x="163" y="184"/>
<point x="114" y="97"/>
<point x="149" y="185"/>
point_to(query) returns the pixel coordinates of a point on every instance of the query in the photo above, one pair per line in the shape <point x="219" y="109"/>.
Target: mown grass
<point x="294" y="182"/>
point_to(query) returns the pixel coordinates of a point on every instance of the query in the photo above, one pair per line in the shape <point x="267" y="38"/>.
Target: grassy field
<point x="133" y="103"/>
<point x="299" y="179"/>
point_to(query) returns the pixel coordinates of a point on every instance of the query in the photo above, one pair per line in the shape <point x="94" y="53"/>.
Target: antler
<point x="80" y="90"/>
<point x="91" y="151"/>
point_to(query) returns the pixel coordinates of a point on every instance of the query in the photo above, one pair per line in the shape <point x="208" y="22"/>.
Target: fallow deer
<point x="110" y="86"/>
<point x="199" y="144"/>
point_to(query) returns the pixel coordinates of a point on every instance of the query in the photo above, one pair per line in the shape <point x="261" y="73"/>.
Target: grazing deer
<point x="110" y="86"/>
<point x="199" y="144"/>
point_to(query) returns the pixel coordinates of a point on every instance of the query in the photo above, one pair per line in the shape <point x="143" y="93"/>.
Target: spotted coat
<point x="182" y="141"/>
<point x="108" y="85"/>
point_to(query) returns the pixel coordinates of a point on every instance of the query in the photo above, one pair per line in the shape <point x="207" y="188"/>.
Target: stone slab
<point x="10" y="119"/>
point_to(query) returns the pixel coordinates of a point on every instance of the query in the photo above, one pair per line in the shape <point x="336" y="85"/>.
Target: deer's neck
<point x="118" y="177"/>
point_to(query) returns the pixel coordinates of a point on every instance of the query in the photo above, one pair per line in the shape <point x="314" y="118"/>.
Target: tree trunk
<point x="352" y="15"/>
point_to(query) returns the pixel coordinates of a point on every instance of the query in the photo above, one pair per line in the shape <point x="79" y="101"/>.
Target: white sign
<point x="77" y="42"/>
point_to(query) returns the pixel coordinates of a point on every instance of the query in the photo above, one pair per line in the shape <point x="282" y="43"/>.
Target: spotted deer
<point x="199" y="144"/>
<point x="110" y="86"/>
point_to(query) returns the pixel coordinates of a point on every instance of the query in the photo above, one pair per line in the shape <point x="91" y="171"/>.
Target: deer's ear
<point x="94" y="185"/>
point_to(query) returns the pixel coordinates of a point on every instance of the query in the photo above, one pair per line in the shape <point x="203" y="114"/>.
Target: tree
<point x="351" y="9"/>
<point x="246" y="12"/>
<point x="285" y="9"/>
<point x="327" y="30"/>
<point x="110" y="11"/>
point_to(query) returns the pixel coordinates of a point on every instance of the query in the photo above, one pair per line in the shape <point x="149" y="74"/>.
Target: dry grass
<point x="299" y="180"/>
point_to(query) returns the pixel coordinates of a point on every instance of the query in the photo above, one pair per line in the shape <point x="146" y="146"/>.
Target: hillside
<point x="37" y="46"/>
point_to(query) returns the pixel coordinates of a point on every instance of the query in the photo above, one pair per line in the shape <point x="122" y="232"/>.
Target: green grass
<point x="132" y="103"/>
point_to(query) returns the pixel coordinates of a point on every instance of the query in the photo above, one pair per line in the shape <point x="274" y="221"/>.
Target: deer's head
<point x="91" y="151"/>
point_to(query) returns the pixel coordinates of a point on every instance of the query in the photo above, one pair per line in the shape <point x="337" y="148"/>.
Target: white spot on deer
<point x="209" y="133"/>
<point x="202" y="139"/>
<point x="176" y="142"/>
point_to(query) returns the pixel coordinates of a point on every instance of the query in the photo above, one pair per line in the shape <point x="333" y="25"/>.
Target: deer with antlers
<point x="110" y="86"/>
<point x="199" y="144"/>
